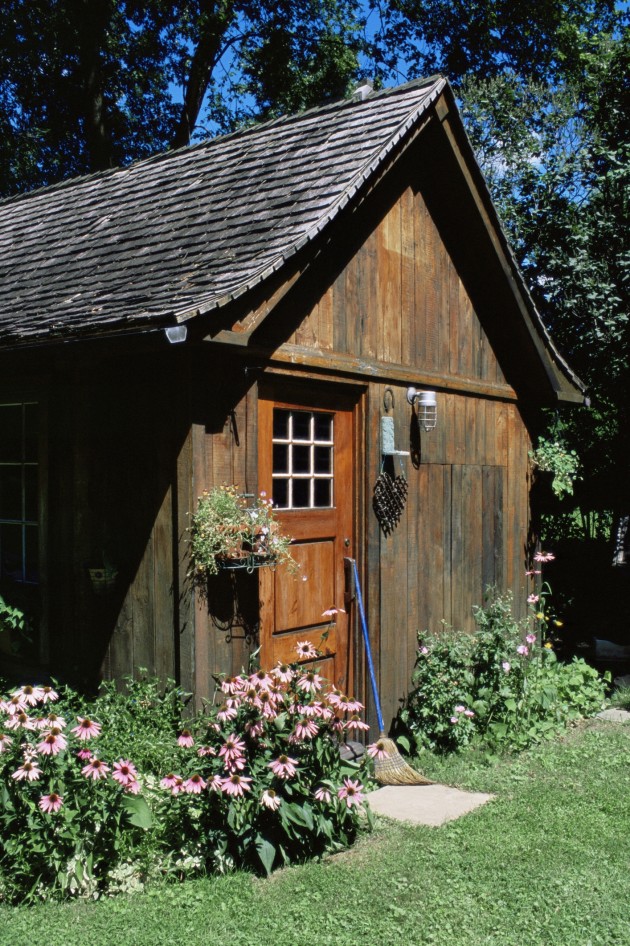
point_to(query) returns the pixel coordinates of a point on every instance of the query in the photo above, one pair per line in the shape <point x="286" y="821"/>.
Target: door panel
<point x="305" y="461"/>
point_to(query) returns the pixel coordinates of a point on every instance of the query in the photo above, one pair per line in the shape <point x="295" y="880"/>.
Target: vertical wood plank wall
<point x="400" y="301"/>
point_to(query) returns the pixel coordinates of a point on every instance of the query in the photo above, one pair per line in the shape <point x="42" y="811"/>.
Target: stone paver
<point x="614" y="715"/>
<point x="425" y="804"/>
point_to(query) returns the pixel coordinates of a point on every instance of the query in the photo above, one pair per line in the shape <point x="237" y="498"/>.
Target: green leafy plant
<point x="226" y="530"/>
<point x="553" y="456"/>
<point x="14" y="623"/>
<point x="499" y="688"/>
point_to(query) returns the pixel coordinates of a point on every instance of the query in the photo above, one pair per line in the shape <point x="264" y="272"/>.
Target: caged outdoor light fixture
<point x="426" y="405"/>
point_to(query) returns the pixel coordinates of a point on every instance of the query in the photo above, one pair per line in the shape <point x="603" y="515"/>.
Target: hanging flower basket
<point x="228" y="533"/>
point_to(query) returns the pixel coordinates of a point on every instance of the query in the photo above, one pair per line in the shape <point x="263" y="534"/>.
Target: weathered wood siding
<point x="400" y="303"/>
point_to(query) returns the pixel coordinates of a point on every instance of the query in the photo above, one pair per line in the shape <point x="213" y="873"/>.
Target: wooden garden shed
<point x="246" y="311"/>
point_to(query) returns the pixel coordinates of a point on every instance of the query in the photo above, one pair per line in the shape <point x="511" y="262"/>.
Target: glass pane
<point x="11" y="551"/>
<point x="323" y="459"/>
<point x="281" y="493"/>
<point x="11" y="432"/>
<point x="301" y="494"/>
<point x="32" y="554"/>
<point x="30" y="493"/>
<point x="323" y="426"/>
<point x="301" y="425"/>
<point x="280" y="424"/>
<point x="31" y="433"/>
<point x="301" y="457"/>
<point x="322" y="493"/>
<point x="10" y="492"/>
<point x="280" y="458"/>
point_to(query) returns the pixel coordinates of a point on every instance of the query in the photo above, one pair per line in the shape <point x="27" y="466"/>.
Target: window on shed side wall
<point x="19" y="487"/>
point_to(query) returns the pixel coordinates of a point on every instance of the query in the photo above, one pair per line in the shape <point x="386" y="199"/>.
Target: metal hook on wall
<point x="388" y="400"/>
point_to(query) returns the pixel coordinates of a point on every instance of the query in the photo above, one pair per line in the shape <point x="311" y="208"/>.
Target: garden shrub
<point x="499" y="688"/>
<point x="96" y="797"/>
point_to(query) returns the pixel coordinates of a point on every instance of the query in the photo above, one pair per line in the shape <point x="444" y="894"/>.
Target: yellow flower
<point x="549" y="645"/>
<point x="558" y="623"/>
<point x="540" y="616"/>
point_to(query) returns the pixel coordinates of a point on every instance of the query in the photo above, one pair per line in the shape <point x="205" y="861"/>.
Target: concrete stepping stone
<point x="431" y="805"/>
<point x="614" y="715"/>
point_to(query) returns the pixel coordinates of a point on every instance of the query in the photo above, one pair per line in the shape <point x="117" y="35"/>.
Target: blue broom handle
<point x="368" y="649"/>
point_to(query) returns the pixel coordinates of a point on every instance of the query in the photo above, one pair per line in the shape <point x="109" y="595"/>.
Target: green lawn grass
<point x="547" y="863"/>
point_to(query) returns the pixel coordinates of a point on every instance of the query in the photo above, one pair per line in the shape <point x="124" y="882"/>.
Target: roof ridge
<point x="207" y="143"/>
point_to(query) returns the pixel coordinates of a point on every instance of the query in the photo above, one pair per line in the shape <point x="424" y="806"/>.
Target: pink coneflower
<point x="236" y="784"/>
<point x="227" y="714"/>
<point x="523" y="650"/>
<point x="20" y="720"/>
<point x="53" y="742"/>
<point x="532" y="599"/>
<point x="322" y="794"/>
<point x="50" y="803"/>
<point x="311" y="682"/>
<point x="351" y="792"/>
<point x="469" y="713"/>
<point x="342" y="702"/>
<point x="28" y="771"/>
<point x="30" y="695"/>
<point x="260" y="680"/>
<point x="460" y="708"/>
<point x="283" y="672"/>
<point x="533" y="571"/>
<point x="283" y="766"/>
<point x="454" y="719"/>
<point x="133" y="787"/>
<point x="531" y="638"/>
<point x="15" y="704"/>
<point x="255" y="730"/>
<point x="194" y="785"/>
<point x="174" y="783"/>
<point x="306" y="729"/>
<point x="331" y="612"/>
<point x="95" y="769"/>
<point x="204" y="751"/>
<point x="4" y="741"/>
<point x="124" y="772"/>
<point x="544" y="557"/>
<point x="49" y="694"/>
<point x="215" y="784"/>
<point x="185" y="739"/>
<point x="305" y="650"/>
<point x="423" y="651"/>
<point x="54" y="720"/>
<point x="270" y="799"/>
<point x="232" y="685"/>
<point x="507" y="666"/>
<point x="87" y="728"/>
<point x="232" y="751"/>
<point x="377" y="750"/>
<point x="355" y="722"/>
<point x="84" y="754"/>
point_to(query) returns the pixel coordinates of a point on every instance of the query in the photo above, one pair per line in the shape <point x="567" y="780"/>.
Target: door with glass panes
<point x="305" y="465"/>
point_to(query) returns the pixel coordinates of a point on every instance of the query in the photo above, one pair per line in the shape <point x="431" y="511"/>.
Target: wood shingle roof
<point x="186" y="231"/>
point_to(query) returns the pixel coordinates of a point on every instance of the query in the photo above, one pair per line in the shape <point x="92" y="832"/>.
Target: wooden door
<point x="305" y="464"/>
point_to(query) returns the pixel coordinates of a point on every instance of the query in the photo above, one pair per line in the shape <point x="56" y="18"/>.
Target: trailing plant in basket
<point x="227" y="529"/>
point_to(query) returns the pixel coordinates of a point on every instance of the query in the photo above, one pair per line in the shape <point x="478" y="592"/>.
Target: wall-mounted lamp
<point x="176" y="333"/>
<point x="426" y="404"/>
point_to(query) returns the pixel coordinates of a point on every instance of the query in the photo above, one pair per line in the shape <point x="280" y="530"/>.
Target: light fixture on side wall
<point x="426" y="405"/>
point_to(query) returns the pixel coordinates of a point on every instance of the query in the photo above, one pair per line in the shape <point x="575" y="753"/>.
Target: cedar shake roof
<point x="185" y="232"/>
<point x="188" y="230"/>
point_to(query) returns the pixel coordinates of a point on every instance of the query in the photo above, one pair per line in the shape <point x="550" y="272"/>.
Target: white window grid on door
<point x="303" y="477"/>
<point x="22" y="516"/>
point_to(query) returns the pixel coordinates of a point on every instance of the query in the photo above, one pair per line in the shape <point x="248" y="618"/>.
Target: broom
<point x="392" y="770"/>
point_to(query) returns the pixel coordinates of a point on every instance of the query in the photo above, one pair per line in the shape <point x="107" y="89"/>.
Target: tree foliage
<point x="91" y="84"/>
